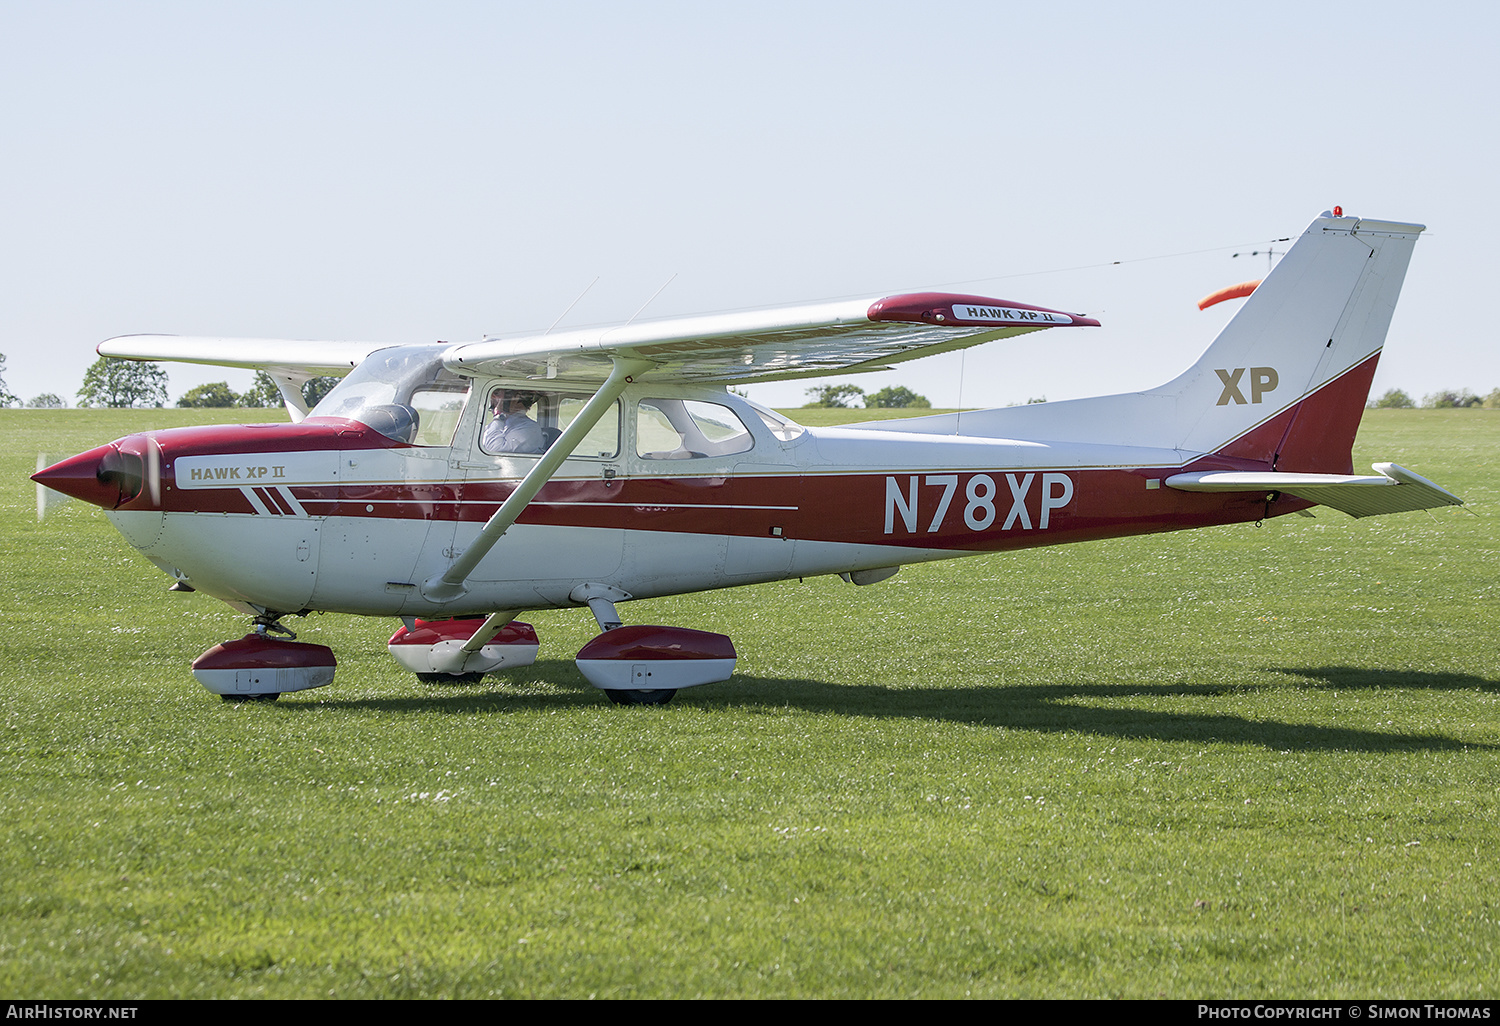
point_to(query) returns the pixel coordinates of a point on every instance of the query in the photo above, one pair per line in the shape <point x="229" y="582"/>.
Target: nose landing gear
<point x="260" y="668"/>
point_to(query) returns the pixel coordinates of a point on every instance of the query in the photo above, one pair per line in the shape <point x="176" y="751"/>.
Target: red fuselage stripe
<point x="961" y="510"/>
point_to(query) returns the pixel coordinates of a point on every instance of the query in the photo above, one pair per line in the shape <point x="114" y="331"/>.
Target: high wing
<point x="768" y="345"/>
<point x="763" y="345"/>
<point x="795" y="342"/>
<point x="1395" y="490"/>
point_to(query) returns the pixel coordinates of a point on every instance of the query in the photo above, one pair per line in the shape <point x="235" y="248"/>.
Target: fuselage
<point x="679" y="490"/>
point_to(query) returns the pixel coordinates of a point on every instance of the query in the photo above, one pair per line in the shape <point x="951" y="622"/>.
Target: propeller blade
<point x="153" y="469"/>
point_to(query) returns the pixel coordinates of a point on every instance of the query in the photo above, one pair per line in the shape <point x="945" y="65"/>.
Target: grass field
<point x="1239" y="762"/>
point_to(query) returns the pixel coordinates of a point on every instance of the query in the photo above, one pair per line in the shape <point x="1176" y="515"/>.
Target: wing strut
<point x="289" y="383"/>
<point x="450" y="585"/>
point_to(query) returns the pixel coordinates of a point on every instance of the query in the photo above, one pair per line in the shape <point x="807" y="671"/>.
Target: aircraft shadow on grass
<point x="1050" y="708"/>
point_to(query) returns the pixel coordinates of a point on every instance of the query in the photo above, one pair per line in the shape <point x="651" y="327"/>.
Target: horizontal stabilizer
<point x="1394" y="490"/>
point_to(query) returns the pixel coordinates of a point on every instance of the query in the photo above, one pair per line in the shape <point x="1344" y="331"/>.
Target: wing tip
<point x="957" y="310"/>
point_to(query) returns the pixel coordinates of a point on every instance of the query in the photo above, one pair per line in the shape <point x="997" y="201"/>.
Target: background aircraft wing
<point x="309" y="359"/>
<point x="289" y="362"/>
<point x="768" y="345"/>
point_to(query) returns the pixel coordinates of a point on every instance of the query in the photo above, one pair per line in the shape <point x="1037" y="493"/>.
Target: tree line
<point x="843" y="397"/>
<point x="125" y="384"/>
<point x="840" y="397"/>
<point x="1449" y="399"/>
<point x="121" y="384"/>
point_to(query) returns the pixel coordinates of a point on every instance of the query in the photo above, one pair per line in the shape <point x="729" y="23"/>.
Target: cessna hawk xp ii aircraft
<point x="457" y="485"/>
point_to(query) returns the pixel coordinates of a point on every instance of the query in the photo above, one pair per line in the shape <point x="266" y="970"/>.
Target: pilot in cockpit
<point x="513" y="430"/>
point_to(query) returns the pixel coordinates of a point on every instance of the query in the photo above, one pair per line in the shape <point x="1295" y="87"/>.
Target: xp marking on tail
<point x="655" y="479"/>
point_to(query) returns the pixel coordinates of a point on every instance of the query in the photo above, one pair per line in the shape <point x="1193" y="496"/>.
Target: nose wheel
<point x="260" y="667"/>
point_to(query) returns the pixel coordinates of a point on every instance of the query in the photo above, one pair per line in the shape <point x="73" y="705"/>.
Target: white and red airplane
<point x="458" y="485"/>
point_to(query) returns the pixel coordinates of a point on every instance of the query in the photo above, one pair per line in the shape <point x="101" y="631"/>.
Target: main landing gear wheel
<point x="656" y="696"/>
<point x="450" y="678"/>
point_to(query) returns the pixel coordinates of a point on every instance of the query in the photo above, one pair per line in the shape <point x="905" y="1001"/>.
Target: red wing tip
<point x="948" y="309"/>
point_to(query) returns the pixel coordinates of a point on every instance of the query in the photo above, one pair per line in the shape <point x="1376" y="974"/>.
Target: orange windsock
<point x="1239" y="291"/>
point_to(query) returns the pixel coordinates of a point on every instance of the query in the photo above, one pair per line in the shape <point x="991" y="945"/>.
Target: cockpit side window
<point x="526" y="422"/>
<point x="685" y="429"/>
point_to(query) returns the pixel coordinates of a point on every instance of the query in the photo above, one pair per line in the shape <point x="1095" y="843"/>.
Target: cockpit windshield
<point x="403" y="392"/>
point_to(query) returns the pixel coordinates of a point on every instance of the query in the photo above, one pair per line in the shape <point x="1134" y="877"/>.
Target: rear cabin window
<point x="685" y="429"/>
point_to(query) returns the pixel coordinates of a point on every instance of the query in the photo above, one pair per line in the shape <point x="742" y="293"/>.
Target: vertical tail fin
<point x="1286" y="381"/>
<point x="1284" y="384"/>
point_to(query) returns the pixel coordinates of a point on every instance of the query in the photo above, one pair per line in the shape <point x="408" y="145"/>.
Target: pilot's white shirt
<point x="515" y="433"/>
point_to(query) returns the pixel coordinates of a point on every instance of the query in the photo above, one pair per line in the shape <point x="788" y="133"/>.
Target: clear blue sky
<point x="420" y="171"/>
